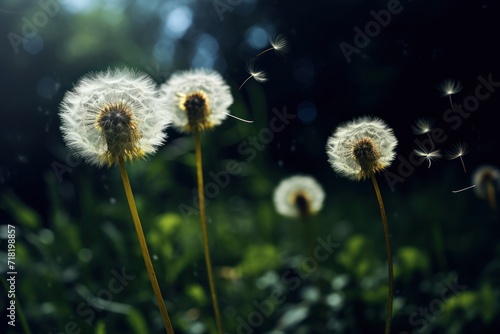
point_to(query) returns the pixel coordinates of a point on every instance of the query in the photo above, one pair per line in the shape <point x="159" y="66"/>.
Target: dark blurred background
<point x="64" y="206"/>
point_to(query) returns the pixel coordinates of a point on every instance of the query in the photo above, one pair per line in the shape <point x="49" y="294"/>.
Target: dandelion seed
<point x="428" y="155"/>
<point x="458" y="151"/>
<point x="278" y="44"/>
<point x="423" y="126"/>
<point x="259" y="76"/>
<point x="450" y="87"/>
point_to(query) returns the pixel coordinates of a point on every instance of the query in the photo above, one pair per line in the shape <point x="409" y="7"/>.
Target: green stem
<point x="203" y="219"/>
<point x="144" y="249"/>
<point x="389" y="255"/>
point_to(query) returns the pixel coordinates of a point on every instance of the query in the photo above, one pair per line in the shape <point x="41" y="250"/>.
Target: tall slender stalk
<point x="389" y="254"/>
<point x="308" y="233"/>
<point x="203" y="220"/>
<point x="144" y="249"/>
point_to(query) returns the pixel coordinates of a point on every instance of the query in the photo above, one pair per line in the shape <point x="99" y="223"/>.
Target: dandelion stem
<point x="308" y="234"/>
<point x="144" y="249"/>
<point x="203" y="219"/>
<point x="389" y="254"/>
<point x="245" y="82"/>
<point x="491" y="195"/>
<point x="238" y="118"/>
<point x="451" y="102"/>
<point x="463" y="165"/>
<point x="266" y="50"/>
<point x="460" y="190"/>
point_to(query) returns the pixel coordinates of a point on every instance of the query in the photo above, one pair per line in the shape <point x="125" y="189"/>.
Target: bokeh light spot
<point x="307" y="112"/>
<point x="178" y="21"/>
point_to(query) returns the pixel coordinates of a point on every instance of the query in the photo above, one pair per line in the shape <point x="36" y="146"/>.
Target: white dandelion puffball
<point x="361" y="147"/>
<point x="298" y="196"/>
<point x="197" y="99"/>
<point x="113" y="115"/>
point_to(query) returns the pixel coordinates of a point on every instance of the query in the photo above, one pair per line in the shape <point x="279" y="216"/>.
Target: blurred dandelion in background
<point x="486" y="179"/>
<point x="298" y="196"/>
<point x="301" y="197"/>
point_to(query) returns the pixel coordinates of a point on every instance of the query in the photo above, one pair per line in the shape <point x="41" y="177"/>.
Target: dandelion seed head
<point x="298" y="196"/>
<point x="113" y="115"/>
<point x="450" y="87"/>
<point x="361" y="147"/>
<point x="197" y="98"/>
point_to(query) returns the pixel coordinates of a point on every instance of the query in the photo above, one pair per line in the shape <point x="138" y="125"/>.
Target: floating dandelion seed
<point x="428" y="155"/>
<point x="423" y="126"/>
<point x="487" y="181"/>
<point x="458" y="151"/>
<point x="278" y="44"/>
<point x="114" y="116"/>
<point x="360" y="149"/>
<point x="450" y="87"/>
<point x="259" y="76"/>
